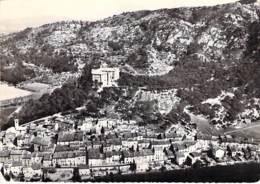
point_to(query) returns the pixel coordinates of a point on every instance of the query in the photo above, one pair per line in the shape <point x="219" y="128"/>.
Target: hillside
<point x="208" y="55"/>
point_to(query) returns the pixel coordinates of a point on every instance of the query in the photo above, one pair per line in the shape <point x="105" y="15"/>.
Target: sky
<point x="16" y="15"/>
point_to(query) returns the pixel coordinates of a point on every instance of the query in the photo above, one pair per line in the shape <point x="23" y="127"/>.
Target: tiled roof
<point x="138" y="154"/>
<point x="17" y="164"/>
<point x="36" y="166"/>
<point x="60" y="148"/>
<point x="69" y="137"/>
<point x="65" y="137"/>
<point x="160" y="142"/>
<point x="16" y="152"/>
<point x="47" y="157"/>
<point x="94" y="154"/>
<point x="114" y="141"/>
<point x="4" y="153"/>
<point x="27" y="156"/>
<point x="58" y="155"/>
<point x="40" y="141"/>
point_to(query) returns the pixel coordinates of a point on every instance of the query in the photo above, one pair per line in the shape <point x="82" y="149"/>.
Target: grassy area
<point x="5" y="113"/>
<point x="204" y="125"/>
<point x="61" y="175"/>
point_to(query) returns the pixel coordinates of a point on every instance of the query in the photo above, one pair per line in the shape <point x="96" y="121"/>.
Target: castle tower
<point x="16" y="123"/>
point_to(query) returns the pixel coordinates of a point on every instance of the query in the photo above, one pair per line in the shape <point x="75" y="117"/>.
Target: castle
<point x="105" y="76"/>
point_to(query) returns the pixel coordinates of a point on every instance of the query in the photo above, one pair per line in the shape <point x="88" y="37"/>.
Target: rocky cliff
<point x="202" y="52"/>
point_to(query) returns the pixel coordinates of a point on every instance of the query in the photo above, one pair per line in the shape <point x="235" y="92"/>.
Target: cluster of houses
<point x="99" y="146"/>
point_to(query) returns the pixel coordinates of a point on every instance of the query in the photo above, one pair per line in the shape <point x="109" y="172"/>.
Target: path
<point x="257" y="124"/>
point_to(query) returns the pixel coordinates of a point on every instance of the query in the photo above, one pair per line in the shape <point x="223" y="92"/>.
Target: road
<point x="254" y="125"/>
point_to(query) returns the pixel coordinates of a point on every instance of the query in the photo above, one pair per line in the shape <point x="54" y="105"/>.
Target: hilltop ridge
<point x="209" y="55"/>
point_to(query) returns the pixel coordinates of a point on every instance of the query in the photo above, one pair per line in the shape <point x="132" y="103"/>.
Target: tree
<point x="15" y="141"/>
<point x="6" y="176"/>
<point x="101" y="149"/>
<point x="102" y="130"/>
<point x="132" y="149"/>
<point x="76" y="176"/>
<point x="163" y="168"/>
<point x="150" y="145"/>
<point x="229" y="151"/>
<point x="21" y="177"/>
<point x="219" y="139"/>
<point x="133" y="166"/>
<point x="137" y="148"/>
<point x="122" y="159"/>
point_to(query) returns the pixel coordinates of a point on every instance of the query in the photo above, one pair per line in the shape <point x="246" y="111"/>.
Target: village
<point x="54" y="147"/>
<point x="74" y="147"/>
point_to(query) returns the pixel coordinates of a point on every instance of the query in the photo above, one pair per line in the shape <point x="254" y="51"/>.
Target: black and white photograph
<point x="129" y="91"/>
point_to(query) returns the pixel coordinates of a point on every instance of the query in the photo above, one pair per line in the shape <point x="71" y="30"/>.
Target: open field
<point x="10" y="92"/>
<point x="251" y="131"/>
<point x="204" y="126"/>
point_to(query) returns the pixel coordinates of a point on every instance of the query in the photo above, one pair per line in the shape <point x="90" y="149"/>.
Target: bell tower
<point x="16" y="123"/>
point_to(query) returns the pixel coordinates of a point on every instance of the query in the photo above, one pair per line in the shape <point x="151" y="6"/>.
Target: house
<point x="4" y="156"/>
<point x="129" y="143"/>
<point x="86" y="126"/>
<point x="84" y="172"/>
<point x="65" y="138"/>
<point x="144" y="156"/>
<point x="9" y="137"/>
<point x="105" y="76"/>
<point x="69" y="158"/>
<point x="61" y="148"/>
<point x="68" y="138"/>
<point x="32" y="171"/>
<point x="47" y="160"/>
<point x="26" y="159"/>
<point x="180" y="158"/>
<point x="87" y="144"/>
<point x="16" y="155"/>
<point x="142" y="167"/>
<point x="116" y="155"/>
<point x="40" y="143"/>
<point x="60" y="159"/>
<point x="20" y="140"/>
<point x="18" y="127"/>
<point x="95" y="158"/>
<point x="128" y="156"/>
<point x="170" y="155"/>
<point x="37" y="157"/>
<point x="194" y="156"/>
<point x="107" y="147"/>
<point x="62" y="126"/>
<point x="80" y="157"/>
<point x="159" y="154"/>
<point x="160" y="143"/>
<point x="116" y="144"/>
<point x="220" y="153"/>
<point x="143" y="144"/>
<point x="108" y="158"/>
<point x="96" y="144"/>
<point x="16" y="168"/>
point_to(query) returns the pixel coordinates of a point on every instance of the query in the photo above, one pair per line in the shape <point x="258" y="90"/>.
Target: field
<point x="10" y="92"/>
<point x="204" y="126"/>
<point x="252" y="132"/>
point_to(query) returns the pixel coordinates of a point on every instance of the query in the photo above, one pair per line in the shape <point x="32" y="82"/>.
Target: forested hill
<point x="206" y="53"/>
